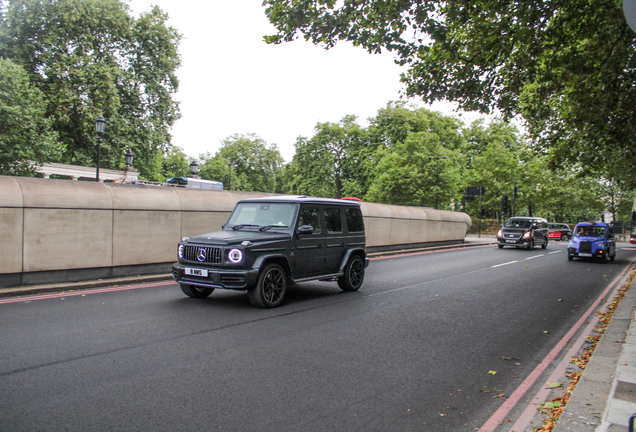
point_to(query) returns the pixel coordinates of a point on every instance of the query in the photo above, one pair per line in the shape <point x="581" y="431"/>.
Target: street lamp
<point x="194" y="168"/>
<point x="437" y="158"/>
<point x="100" y="127"/>
<point x="230" y="165"/>
<point x="129" y="159"/>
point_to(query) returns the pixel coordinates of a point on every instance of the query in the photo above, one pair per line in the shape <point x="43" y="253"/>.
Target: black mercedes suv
<point x="270" y="243"/>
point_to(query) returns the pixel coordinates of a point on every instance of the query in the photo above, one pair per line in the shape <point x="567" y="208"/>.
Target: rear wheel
<point x="271" y="287"/>
<point x="195" y="292"/>
<point x="353" y="275"/>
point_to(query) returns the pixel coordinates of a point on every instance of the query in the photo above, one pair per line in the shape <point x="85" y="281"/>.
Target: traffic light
<point x="504" y="205"/>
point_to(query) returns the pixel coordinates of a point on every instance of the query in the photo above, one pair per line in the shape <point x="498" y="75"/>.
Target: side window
<point x="309" y="216"/>
<point x="354" y="220"/>
<point x="332" y="220"/>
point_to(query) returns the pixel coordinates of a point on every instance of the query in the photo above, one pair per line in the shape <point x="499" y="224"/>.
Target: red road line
<point x="83" y="292"/>
<point x="500" y="415"/>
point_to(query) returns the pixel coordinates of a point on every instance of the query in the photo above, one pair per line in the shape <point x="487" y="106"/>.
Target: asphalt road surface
<point x="414" y="350"/>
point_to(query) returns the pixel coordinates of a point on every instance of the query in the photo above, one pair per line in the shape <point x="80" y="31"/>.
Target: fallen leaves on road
<point x="492" y="372"/>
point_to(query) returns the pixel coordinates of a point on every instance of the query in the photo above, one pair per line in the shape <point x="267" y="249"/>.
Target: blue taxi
<point x="592" y="240"/>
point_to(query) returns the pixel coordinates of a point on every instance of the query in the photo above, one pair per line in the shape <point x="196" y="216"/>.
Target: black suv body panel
<point x="309" y="238"/>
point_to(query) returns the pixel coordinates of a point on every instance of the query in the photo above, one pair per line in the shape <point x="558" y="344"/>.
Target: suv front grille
<point x="203" y="254"/>
<point x="585" y="247"/>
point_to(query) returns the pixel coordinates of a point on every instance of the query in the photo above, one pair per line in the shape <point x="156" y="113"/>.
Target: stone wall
<point x="62" y="231"/>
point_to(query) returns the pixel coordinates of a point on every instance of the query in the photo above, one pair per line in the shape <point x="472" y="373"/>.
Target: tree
<point x="175" y="164"/>
<point x="255" y="165"/>
<point x="568" y="68"/>
<point x="91" y="58"/>
<point x="418" y="172"/>
<point x="333" y="163"/>
<point x="26" y="136"/>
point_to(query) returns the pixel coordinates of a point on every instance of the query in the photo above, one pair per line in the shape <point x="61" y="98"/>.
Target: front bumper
<point x="216" y="278"/>
<point x="518" y="243"/>
<point x="599" y="253"/>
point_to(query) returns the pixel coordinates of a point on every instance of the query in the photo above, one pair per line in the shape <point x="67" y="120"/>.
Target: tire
<point x="570" y="257"/>
<point x="270" y="288"/>
<point x="531" y="244"/>
<point x="606" y="258"/>
<point x="195" y="292"/>
<point x="353" y="275"/>
<point x="545" y="244"/>
<point x="500" y="246"/>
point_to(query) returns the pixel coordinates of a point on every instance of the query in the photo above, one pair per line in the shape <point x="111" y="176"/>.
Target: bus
<point x="190" y="182"/>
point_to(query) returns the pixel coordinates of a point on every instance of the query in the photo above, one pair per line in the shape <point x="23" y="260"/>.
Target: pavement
<point x="604" y="399"/>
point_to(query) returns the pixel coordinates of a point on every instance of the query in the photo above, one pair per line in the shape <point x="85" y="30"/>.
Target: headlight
<point x="235" y="255"/>
<point x="527" y="235"/>
<point x="570" y="244"/>
<point x="499" y="234"/>
<point x="601" y="245"/>
<point x="180" y="253"/>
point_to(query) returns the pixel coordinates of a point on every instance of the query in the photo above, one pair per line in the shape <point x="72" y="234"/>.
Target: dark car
<point x="269" y="243"/>
<point x="523" y="232"/>
<point x="592" y="240"/>
<point x="559" y="231"/>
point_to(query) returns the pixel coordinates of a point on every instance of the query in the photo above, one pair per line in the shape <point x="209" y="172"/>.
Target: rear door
<point x="309" y="253"/>
<point x="336" y="244"/>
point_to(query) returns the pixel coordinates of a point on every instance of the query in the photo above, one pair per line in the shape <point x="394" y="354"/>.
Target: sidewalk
<point x="605" y="397"/>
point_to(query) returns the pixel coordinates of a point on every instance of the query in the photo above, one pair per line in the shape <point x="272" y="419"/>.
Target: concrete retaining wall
<point x="60" y="230"/>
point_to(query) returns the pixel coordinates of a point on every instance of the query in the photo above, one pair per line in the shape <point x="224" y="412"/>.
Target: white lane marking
<point x="554" y="252"/>
<point x="499" y="265"/>
<point x="536" y="256"/>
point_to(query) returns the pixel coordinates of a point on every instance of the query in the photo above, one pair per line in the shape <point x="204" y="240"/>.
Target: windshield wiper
<point x="266" y="227"/>
<point x="234" y="228"/>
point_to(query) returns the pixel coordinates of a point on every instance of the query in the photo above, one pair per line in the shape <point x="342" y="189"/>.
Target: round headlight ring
<point x="180" y="251"/>
<point x="235" y="255"/>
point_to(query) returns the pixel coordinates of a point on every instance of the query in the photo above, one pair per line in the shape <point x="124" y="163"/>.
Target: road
<point x="429" y="343"/>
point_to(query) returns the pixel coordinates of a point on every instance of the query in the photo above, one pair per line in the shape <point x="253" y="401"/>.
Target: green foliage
<point x="175" y="164"/>
<point x="334" y="163"/>
<point x="254" y="166"/>
<point x="25" y="132"/>
<point x="567" y="67"/>
<point x="91" y="58"/>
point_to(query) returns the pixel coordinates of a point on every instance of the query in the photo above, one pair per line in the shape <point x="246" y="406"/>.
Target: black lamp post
<point x="129" y="159"/>
<point x="100" y="127"/>
<point x="437" y="158"/>
<point x="194" y="168"/>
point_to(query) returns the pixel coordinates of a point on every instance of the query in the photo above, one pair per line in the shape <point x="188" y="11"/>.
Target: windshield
<point x="589" y="231"/>
<point x="262" y="215"/>
<point x="518" y="223"/>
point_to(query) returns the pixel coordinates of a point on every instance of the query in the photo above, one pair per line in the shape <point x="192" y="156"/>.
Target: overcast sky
<point x="233" y="82"/>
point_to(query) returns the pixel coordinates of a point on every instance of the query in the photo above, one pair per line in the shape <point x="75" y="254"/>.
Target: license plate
<point x="585" y="254"/>
<point x="195" y="272"/>
<point x="511" y="241"/>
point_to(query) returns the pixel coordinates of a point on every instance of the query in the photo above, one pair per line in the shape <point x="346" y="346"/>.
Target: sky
<point x="232" y="82"/>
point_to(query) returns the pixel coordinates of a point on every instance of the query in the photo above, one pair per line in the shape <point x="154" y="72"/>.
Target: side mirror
<point x="305" y="229"/>
<point x="222" y="227"/>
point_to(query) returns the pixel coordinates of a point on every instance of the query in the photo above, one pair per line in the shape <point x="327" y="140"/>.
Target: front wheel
<point x="195" y="292"/>
<point x="531" y="244"/>
<point x="545" y="244"/>
<point x="500" y="246"/>
<point x="271" y="287"/>
<point x="570" y="257"/>
<point x="353" y="275"/>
